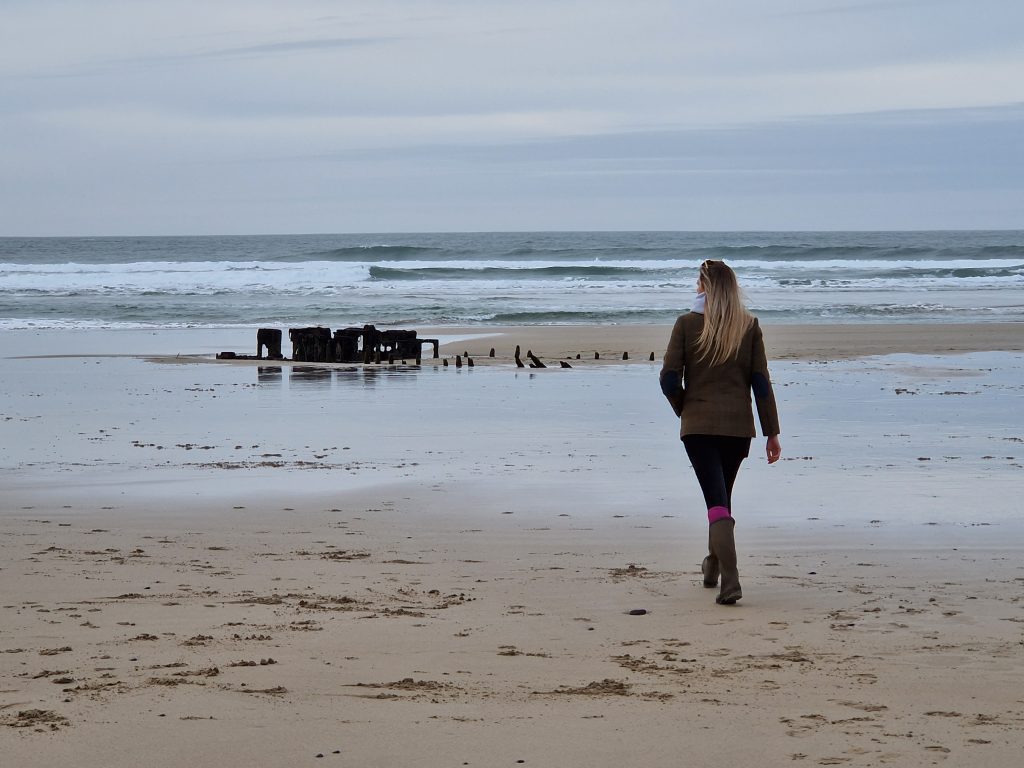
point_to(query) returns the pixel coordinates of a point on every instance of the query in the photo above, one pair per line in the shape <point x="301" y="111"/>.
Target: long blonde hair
<point x="726" y="320"/>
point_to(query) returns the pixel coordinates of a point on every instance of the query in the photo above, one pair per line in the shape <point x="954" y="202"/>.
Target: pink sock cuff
<point x="717" y="513"/>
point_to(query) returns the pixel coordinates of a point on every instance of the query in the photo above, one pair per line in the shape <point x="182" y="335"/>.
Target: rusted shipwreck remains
<point x="346" y="345"/>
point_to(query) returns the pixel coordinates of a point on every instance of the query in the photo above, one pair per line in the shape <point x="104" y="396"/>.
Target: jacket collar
<point x="698" y="304"/>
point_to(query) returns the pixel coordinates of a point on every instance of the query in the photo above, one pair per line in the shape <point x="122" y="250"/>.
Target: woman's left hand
<point x="773" y="448"/>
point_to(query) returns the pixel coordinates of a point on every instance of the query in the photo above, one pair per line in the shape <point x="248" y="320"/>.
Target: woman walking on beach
<point x="715" y="357"/>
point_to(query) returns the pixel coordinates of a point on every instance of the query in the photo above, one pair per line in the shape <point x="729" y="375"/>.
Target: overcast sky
<point x="260" y="116"/>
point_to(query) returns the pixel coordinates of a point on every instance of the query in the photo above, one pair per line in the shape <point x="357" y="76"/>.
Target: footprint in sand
<point x="862" y="706"/>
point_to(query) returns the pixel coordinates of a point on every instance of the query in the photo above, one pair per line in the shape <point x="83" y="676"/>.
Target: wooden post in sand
<point x="534" y="360"/>
<point x="491" y="353"/>
<point x="652" y="357"/>
<point x="625" y="355"/>
<point x="519" y="362"/>
<point x="271" y="339"/>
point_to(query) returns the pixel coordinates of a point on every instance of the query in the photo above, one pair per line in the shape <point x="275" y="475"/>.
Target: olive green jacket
<point x="715" y="400"/>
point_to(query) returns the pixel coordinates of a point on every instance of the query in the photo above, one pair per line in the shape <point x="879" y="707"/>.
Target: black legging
<point x="716" y="459"/>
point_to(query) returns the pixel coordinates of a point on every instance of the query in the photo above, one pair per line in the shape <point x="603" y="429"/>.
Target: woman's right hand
<point x="773" y="448"/>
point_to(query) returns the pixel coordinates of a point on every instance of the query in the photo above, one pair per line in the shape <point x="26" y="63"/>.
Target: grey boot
<point x="710" y="567"/>
<point x="723" y="546"/>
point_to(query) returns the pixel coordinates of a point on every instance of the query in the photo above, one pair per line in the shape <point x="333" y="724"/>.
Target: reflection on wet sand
<point x="323" y="377"/>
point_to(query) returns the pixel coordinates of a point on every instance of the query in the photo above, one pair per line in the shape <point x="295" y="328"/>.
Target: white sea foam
<point x="480" y="278"/>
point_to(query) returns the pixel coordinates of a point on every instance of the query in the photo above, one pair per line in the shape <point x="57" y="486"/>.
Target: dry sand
<point x="783" y="342"/>
<point x="485" y="621"/>
<point x="392" y="630"/>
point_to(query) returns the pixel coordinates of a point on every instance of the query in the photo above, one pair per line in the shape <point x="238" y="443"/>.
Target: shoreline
<point x="549" y="342"/>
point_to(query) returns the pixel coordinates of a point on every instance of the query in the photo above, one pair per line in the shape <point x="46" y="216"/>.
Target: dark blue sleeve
<point x="671" y="383"/>
<point x="761" y="383"/>
<point x="761" y="386"/>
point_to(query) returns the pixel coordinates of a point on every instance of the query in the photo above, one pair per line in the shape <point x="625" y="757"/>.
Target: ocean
<point x="471" y="279"/>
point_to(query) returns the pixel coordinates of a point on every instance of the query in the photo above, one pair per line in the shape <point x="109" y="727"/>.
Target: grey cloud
<point x="167" y="121"/>
<point x="867" y="7"/>
<point x="925" y="159"/>
<point x="947" y="136"/>
<point x="114" y="66"/>
<point x="288" y="47"/>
